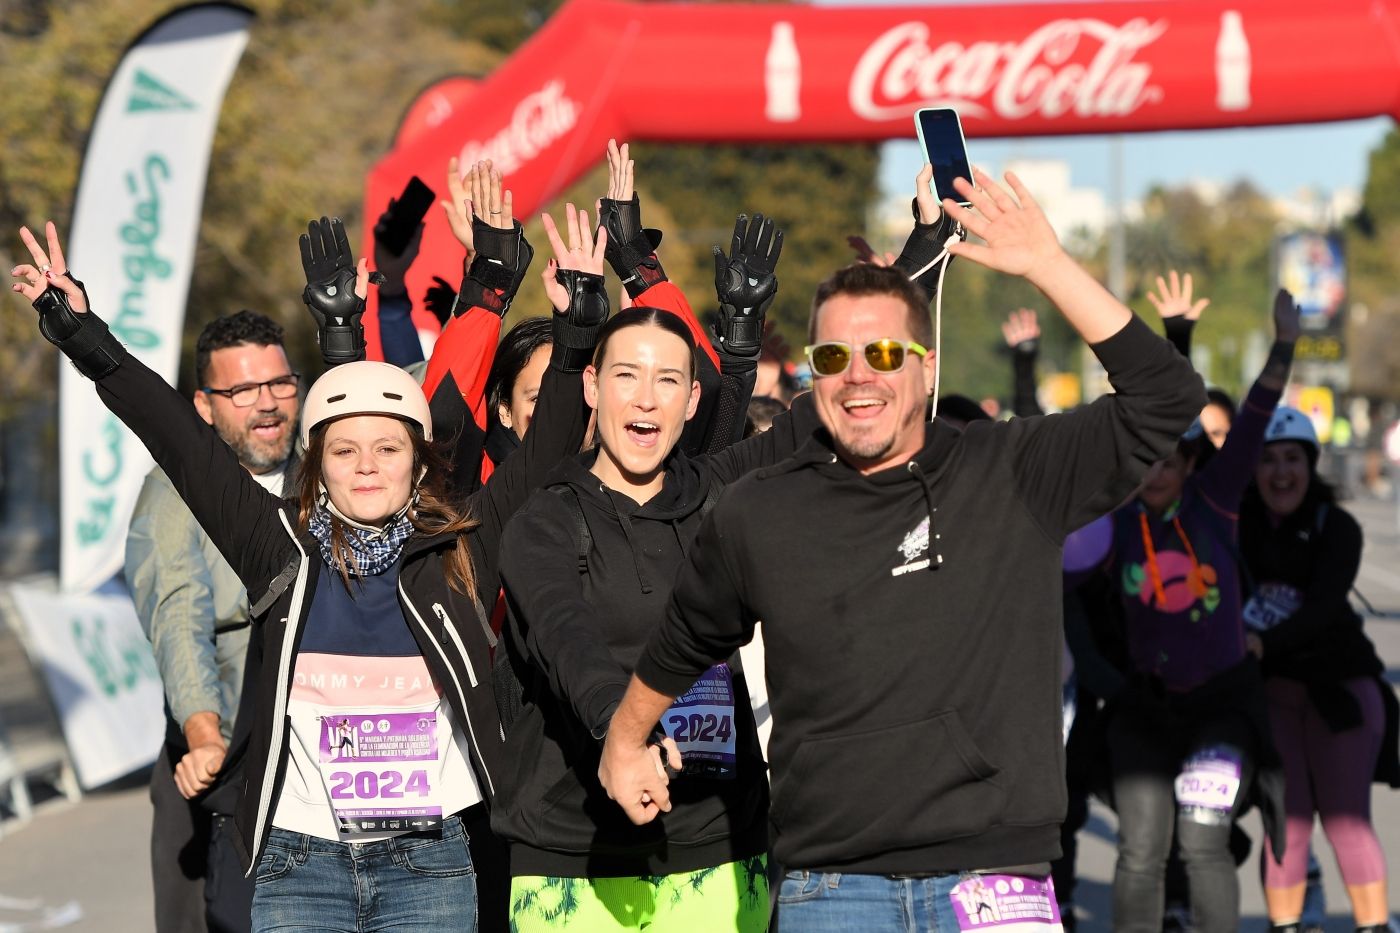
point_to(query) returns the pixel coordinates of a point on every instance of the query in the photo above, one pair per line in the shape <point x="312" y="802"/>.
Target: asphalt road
<point x="84" y="867"/>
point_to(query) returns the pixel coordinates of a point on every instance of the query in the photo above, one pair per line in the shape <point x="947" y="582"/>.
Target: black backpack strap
<point x="583" y="538"/>
<point x="711" y="498"/>
<point x="277" y="587"/>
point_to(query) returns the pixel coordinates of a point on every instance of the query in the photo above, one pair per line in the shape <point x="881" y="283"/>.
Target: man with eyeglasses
<point x="195" y="612"/>
<point x="914" y="642"/>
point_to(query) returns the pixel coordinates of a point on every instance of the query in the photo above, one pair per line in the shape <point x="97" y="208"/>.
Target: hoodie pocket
<point x="910" y="785"/>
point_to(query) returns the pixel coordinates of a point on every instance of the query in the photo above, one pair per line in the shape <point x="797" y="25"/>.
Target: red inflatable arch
<point x="771" y="73"/>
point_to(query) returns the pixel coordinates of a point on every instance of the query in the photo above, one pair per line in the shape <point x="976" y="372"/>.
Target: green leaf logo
<point x="147" y="93"/>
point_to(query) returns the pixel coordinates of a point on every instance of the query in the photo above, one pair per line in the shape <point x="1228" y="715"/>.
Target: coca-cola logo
<point x="1044" y="75"/>
<point x="539" y="119"/>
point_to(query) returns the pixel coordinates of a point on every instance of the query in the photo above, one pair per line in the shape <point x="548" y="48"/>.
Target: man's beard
<point x="259" y="456"/>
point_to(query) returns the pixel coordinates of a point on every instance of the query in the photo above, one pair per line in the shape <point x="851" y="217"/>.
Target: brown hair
<point x="862" y="278"/>
<point x="434" y="512"/>
<point x="645" y="317"/>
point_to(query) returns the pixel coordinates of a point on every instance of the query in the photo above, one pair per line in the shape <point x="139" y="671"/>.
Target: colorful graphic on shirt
<point x="1183" y="586"/>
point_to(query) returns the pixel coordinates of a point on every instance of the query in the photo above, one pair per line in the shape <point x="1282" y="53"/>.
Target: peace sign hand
<point x="47" y="270"/>
<point x="63" y="307"/>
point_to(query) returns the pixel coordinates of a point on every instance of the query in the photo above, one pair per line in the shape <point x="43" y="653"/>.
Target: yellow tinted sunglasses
<point x="885" y="355"/>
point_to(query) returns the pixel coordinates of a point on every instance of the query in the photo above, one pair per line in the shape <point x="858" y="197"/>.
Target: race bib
<point x="1006" y="903"/>
<point x="1210" y="779"/>
<point x="702" y="724"/>
<point x="1270" y="605"/>
<point x="378" y="770"/>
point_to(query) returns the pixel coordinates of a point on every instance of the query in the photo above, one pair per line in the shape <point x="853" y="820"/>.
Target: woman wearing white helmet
<point x="371" y="715"/>
<point x="1332" y="714"/>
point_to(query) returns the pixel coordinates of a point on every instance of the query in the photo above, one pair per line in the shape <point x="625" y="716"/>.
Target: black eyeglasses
<point x="246" y="395"/>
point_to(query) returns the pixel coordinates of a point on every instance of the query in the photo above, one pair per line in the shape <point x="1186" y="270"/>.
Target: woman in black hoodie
<point x="1333" y="715"/>
<point x="591" y="563"/>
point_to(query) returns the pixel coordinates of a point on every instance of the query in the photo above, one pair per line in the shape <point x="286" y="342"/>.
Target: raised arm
<point x="574" y="283"/>
<point x="1072" y="468"/>
<point x="745" y="285"/>
<point x="1224" y="479"/>
<point x="632" y="255"/>
<point x="1021" y="331"/>
<point x="242" y="519"/>
<point x="1179" y="313"/>
<point x="1020" y="241"/>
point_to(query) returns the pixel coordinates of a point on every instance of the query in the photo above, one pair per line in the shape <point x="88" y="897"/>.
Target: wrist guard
<point x="494" y="275"/>
<point x="631" y="250"/>
<point x="576" y="329"/>
<point x="84" y="338"/>
<point x="924" y="245"/>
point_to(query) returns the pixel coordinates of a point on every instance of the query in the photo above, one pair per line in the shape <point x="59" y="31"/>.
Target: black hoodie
<point x="913" y="639"/>
<point x="574" y="639"/>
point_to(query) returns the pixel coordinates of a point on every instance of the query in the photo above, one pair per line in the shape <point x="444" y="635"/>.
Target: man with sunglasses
<point x="195" y="612"/>
<point x="913" y="646"/>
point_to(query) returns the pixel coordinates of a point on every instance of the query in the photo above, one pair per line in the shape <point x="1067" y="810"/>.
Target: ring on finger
<point x="44" y="268"/>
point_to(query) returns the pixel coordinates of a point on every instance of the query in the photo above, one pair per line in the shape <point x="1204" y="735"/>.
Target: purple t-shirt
<point x="1197" y="630"/>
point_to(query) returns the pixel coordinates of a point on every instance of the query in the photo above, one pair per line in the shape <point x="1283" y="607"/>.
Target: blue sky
<point x="1278" y="160"/>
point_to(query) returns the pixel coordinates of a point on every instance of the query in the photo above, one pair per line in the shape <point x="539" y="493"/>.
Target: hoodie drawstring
<point x="626" y="524"/>
<point x="935" y="558"/>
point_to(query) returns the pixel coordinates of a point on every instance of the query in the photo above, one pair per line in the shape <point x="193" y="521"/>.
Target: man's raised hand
<point x="1019" y="239"/>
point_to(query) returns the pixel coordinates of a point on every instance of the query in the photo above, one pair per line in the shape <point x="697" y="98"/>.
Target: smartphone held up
<point x="403" y="216"/>
<point x="945" y="148"/>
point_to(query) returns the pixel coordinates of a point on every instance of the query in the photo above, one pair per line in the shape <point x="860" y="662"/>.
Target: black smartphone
<point x="945" y="148"/>
<point x="405" y="213"/>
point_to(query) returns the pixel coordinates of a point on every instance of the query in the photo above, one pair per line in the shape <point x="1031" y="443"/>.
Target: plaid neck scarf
<point x="367" y="552"/>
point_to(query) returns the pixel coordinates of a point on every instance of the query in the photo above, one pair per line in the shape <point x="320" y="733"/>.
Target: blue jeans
<point x="417" y="883"/>
<point x="830" y="902"/>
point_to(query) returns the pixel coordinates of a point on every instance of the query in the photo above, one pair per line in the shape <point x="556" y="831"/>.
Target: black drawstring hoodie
<point x="911" y="622"/>
<point x="574" y="639"/>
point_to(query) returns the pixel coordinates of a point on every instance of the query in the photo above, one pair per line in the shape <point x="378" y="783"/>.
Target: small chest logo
<point x="914" y="549"/>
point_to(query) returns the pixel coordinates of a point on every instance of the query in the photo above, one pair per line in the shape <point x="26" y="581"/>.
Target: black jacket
<point x="575" y="634"/>
<point x="257" y="533"/>
<point x="911" y="622"/>
<point x="1317" y="552"/>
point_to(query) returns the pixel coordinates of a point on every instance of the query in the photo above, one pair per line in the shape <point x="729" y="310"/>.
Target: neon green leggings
<point x="728" y="897"/>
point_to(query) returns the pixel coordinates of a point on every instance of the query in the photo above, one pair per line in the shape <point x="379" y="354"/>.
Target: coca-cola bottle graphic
<point x="782" y="75"/>
<point x="1232" y="64"/>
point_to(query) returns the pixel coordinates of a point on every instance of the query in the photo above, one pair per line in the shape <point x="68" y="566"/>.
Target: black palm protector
<point x="576" y="329"/>
<point x="923" y="246"/>
<point x="441" y="299"/>
<point x="494" y="274"/>
<point x="631" y="249"/>
<point x="746" y="285"/>
<point x="83" y="338"/>
<point x="330" y="291"/>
